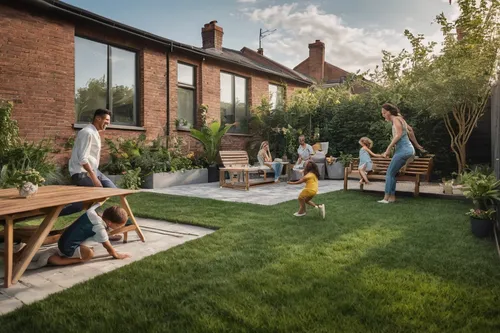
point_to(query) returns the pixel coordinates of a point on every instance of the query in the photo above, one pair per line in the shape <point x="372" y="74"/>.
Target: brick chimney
<point x="260" y="51"/>
<point x="317" y="60"/>
<point x="211" y="34"/>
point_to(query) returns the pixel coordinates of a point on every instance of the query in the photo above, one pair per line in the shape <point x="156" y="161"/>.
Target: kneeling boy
<point x="89" y="227"/>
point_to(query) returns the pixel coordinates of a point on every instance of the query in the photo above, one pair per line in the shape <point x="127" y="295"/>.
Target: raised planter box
<point x="169" y="179"/>
<point x="335" y="171"/>
<point x="115" y="179"/>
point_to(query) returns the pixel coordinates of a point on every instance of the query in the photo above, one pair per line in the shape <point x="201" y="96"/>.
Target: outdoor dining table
<point x="48" y="202"/>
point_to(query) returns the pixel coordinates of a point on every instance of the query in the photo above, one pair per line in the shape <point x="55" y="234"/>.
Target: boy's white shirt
<point x="101" y="235"/>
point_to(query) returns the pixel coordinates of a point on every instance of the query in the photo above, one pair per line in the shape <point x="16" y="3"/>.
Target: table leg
<point x="35" y="241"/>
<point x="8" y="250"/>
<point x="126" y="206"/>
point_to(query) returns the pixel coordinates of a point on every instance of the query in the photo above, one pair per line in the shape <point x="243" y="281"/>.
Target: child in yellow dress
<point x="311" y="175"/>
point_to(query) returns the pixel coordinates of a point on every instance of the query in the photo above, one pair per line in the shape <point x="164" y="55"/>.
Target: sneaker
<point x="298" y="214"/>
<point x="322" y="210"/>
<point x="18" y="247"/>
<point x="383" y="201"/>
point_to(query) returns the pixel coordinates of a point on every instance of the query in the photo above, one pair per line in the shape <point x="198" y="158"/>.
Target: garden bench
<point x="415" y="171"/>
<point x="236" y="163"/>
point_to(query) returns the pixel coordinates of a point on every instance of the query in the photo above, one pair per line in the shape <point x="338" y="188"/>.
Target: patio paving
<point x="272" y="194"/>
<point x="37" y="284"/>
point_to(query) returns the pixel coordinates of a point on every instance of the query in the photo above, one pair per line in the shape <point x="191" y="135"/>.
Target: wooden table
<point x="245" y="171"/>
<point x="48" y="202"/>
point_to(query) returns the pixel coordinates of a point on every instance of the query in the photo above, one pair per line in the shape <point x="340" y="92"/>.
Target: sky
<point x="354" y="31"/>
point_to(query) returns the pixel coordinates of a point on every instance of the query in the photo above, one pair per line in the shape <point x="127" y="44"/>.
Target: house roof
<point x="226" y="55"/>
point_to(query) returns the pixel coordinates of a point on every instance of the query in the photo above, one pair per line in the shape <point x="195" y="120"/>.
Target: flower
<point x="482" y="214"/>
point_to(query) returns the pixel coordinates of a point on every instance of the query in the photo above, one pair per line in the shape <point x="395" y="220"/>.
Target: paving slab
<point x="35" y="285"/>
<point x="272" y="194"/>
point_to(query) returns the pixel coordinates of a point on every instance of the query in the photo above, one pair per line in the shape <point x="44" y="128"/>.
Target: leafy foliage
<point x="482" y="186"/>
<point x="131" y="179"/>
<point x="8" y="128"/>
<point x="20" y="177"/>
<point x="211" y="136"/>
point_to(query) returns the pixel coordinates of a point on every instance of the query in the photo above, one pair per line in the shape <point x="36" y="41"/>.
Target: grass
<point x="409" y="267"/>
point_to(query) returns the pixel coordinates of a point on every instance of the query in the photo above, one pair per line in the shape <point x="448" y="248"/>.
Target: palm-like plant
<point x="210" y="136"/>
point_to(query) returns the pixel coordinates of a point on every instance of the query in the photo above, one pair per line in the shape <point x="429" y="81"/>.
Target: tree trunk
<point x="460" y="123"/>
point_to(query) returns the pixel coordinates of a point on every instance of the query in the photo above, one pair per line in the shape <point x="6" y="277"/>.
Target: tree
<point x="454" y="83"/>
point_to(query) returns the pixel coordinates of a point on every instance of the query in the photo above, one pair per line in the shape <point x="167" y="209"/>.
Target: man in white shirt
<point x="86" y="154"/>
<point x="85" y="157"/>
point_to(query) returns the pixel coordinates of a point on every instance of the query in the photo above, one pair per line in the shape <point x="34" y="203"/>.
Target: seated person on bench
<point x="264" y="157"/>
<point x="88" y="227"/>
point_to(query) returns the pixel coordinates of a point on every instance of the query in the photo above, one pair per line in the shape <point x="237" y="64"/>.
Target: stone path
<point x="38" y="284"/>
<point x="272" y="194"/>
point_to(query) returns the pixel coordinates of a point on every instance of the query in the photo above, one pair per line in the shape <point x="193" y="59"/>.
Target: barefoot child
<point x="311" y="175"/>
<point x="88" y="227"/>
<point x="365" y="160"/>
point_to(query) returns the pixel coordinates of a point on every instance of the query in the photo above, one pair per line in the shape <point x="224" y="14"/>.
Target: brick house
<point x="321" y="71"/>
<point x="59" y="63"/>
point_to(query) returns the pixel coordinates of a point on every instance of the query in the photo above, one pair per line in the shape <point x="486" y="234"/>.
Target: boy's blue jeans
<point x="398" y="161"/>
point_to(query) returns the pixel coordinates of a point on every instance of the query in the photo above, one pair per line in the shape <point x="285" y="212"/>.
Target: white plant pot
<point x="28" y="190"/>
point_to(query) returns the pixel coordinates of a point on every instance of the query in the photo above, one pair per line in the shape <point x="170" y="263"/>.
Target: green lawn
<point x="408" y="267"/>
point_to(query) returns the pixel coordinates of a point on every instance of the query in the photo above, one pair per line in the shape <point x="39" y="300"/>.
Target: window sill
<point x="239" y="134"/>
<point x="183" y="130"/>
<point x="115" y="127"/>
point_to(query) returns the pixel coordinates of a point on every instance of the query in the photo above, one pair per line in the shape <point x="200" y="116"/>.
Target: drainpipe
<point x="167" y="132"/>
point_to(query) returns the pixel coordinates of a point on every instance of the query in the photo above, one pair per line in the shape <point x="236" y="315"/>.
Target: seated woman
<point x="305" y="152"/>
<point x="265" y="159"/>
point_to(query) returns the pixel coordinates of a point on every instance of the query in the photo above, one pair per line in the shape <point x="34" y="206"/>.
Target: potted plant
<point x="335" y="166"/>
<point x="481" y="221"/>
<point x="182" y="124"/>
<point x="482" y="186"/>
<point x="211" y="137"/>
<point x="26" y="181"/>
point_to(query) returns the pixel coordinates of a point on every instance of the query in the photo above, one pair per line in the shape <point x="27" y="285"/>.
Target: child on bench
<point x="88" y="227"/>
<point x="365" y="160"/>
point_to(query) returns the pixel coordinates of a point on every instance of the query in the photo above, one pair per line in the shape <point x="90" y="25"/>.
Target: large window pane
<point x="90" y="78"/>
<point x="105" y="77"/>
<point x="185" y="104"/>
<point x="123" y="78"/>
<point x="185" y="74"/>
<point x="240" y="97"/>
<point x="226" y="99"/>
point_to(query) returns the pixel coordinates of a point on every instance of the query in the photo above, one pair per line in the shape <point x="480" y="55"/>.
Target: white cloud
<point x="348" y="47"/>
<point x="246" y="1"/>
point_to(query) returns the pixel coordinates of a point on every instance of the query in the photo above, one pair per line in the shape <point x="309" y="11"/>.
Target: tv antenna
<point x="264" y="34"/>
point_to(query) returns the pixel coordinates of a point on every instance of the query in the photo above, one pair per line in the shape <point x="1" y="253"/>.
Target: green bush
<point x="131" y="179"/>
<point x="342" y="119"/>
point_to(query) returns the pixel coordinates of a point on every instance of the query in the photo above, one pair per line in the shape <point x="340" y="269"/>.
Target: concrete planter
<point x="169" y="179"/>
<point x="115" y="179"/>
<point x="335" y="170"/>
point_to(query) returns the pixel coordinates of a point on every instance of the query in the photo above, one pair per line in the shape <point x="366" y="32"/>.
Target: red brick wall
<point x="37" y="71"/>
<point x="333" y="72"/>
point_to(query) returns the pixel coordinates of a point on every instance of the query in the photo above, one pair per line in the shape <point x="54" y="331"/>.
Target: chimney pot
<point x="260" y="51"/>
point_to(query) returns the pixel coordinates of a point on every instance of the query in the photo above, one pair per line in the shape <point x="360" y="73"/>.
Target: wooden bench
<point x="237" y="164"/>
<point x="417" y="170"/>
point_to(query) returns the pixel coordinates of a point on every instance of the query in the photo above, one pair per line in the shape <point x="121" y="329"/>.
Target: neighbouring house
<point x="59" y="63"/>
<point x="322" y="72"/>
